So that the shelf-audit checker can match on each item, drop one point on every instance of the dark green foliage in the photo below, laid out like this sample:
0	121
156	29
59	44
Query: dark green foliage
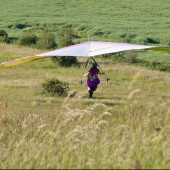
3	33
128	37
13	39
106	56
65	38
163	67
28	39
4	37
151	41
65	61
118	57
65	35
132	58
46	40
154	65
55	87
20	26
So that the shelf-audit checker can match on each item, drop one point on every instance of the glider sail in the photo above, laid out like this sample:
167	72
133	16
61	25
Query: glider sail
93	48
86	49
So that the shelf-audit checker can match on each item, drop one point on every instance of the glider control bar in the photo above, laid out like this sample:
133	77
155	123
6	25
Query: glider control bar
107	79
87	62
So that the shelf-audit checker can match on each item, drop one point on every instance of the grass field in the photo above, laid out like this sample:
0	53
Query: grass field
111	18
125	125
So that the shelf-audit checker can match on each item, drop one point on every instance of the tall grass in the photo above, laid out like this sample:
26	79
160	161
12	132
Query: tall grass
125	125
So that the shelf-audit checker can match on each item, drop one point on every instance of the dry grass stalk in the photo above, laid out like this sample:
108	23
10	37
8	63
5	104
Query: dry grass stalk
4	111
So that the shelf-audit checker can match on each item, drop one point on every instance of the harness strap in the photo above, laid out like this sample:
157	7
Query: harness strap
107	79
88	61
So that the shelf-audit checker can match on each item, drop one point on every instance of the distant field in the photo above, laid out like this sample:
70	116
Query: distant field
113	18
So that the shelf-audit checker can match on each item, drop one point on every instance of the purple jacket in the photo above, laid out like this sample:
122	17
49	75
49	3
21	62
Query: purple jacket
92	79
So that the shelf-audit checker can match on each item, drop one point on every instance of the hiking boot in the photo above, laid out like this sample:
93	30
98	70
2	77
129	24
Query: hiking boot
90	94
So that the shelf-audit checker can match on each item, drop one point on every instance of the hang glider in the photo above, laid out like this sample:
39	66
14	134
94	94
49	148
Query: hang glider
86	49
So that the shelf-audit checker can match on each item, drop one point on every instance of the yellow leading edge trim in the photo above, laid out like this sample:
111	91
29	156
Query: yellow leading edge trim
161	48
20	61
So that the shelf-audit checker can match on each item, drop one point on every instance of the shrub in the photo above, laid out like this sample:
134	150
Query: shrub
46	40
28	39
20	26
65	61
164	68
154	65
151	41
55	87
65	37
130	57
117	58
4	37
159	66
3	33
4	40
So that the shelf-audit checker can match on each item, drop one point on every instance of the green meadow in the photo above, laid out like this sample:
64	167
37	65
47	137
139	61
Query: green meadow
107	19
140	22
125	125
